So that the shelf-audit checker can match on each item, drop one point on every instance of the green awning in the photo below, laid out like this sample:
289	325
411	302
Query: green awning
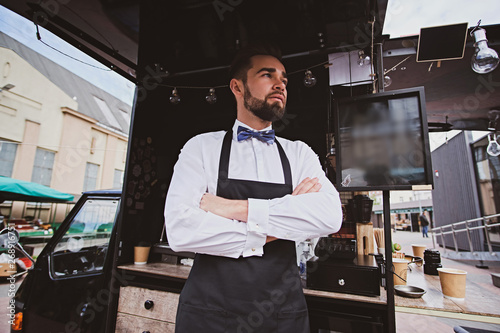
21	190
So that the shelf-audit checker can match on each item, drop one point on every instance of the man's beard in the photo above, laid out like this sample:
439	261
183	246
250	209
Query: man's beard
262	108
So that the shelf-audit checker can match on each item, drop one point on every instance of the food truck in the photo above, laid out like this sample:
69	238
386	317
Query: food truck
352	92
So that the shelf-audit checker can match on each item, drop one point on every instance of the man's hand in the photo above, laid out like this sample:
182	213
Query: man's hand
231	209
308	185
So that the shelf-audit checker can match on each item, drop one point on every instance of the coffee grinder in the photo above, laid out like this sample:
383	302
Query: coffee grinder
342	262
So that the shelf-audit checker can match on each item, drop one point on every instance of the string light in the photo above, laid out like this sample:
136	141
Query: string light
175	98
211	98
309	79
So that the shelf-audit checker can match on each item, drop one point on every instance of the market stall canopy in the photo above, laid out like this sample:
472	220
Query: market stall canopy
21	190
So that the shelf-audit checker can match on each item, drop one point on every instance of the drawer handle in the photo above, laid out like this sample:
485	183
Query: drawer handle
341	282
148	305
145	331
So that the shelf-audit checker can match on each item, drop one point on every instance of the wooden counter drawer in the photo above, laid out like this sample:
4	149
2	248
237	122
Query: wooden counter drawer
133	301
126	323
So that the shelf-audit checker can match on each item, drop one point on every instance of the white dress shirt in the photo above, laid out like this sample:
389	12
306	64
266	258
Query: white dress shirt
296	218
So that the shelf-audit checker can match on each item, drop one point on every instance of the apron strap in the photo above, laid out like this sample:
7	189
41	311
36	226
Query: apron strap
226	151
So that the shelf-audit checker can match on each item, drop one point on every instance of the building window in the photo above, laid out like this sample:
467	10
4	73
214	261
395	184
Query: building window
118	179
7	156
42	169
90	180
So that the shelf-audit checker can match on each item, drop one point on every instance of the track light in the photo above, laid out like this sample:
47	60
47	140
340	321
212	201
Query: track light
484	59
211	98
175	98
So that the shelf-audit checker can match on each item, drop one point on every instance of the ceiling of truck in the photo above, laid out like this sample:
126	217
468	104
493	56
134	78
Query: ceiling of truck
206	33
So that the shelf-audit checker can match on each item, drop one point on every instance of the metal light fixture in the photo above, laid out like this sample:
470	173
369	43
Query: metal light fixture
8	86
493	148
484	59
175	98
363	60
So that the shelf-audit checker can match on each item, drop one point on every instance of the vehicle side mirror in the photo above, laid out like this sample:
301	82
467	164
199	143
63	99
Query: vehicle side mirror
8	236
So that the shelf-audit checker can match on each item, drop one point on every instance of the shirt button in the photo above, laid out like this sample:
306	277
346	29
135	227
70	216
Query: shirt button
253	249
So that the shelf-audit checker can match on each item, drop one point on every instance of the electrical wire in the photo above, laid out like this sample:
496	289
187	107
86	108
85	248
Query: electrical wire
39	37
399	63
90	26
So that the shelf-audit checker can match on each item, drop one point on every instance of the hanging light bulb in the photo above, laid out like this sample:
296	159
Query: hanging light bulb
387	81
211	98
309	79
175	98
363	60
493	146
484	59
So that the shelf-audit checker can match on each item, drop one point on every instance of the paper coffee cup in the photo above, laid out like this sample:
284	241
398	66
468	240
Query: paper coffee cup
400	270
141	254
452	282
418	250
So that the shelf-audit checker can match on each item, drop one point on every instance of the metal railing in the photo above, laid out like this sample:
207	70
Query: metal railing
442	231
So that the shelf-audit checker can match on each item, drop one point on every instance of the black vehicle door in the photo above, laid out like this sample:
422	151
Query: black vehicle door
69	287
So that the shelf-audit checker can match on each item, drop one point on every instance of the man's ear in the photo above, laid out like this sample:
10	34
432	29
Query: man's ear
236	87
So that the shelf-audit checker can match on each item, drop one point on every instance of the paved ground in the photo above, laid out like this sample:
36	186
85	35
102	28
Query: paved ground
409	323
406	323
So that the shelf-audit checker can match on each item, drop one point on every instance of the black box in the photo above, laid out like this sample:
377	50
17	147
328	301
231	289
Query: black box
361	277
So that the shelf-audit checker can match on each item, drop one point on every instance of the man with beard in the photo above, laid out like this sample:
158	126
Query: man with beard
240	200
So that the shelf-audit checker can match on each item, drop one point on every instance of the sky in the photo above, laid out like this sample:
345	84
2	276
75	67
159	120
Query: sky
24	31
406	17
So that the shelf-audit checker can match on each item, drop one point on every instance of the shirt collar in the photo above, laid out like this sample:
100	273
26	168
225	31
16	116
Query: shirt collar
239	123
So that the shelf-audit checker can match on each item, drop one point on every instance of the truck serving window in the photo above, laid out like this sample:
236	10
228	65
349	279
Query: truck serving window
83	248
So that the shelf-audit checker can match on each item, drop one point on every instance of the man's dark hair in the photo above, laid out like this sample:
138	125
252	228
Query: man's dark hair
242	61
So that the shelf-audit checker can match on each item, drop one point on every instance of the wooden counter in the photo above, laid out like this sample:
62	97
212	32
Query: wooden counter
182	272
480	299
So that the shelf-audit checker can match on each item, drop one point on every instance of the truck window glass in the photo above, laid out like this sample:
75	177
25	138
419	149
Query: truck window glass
83	248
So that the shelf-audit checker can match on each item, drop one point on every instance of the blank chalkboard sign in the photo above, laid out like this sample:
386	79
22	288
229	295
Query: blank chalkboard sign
444	42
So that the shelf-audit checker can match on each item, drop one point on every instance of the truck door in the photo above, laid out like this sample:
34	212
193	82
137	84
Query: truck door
69	289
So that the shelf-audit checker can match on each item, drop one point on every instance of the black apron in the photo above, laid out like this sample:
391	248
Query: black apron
251	294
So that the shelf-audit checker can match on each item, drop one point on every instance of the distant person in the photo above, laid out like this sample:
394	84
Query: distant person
424	222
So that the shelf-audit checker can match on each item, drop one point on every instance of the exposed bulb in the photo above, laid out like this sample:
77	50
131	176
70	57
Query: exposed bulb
211	98
493	146
387	81
484	59
175	98
363	60
309	79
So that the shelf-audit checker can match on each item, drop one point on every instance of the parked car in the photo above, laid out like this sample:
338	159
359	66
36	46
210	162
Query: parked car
62	290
